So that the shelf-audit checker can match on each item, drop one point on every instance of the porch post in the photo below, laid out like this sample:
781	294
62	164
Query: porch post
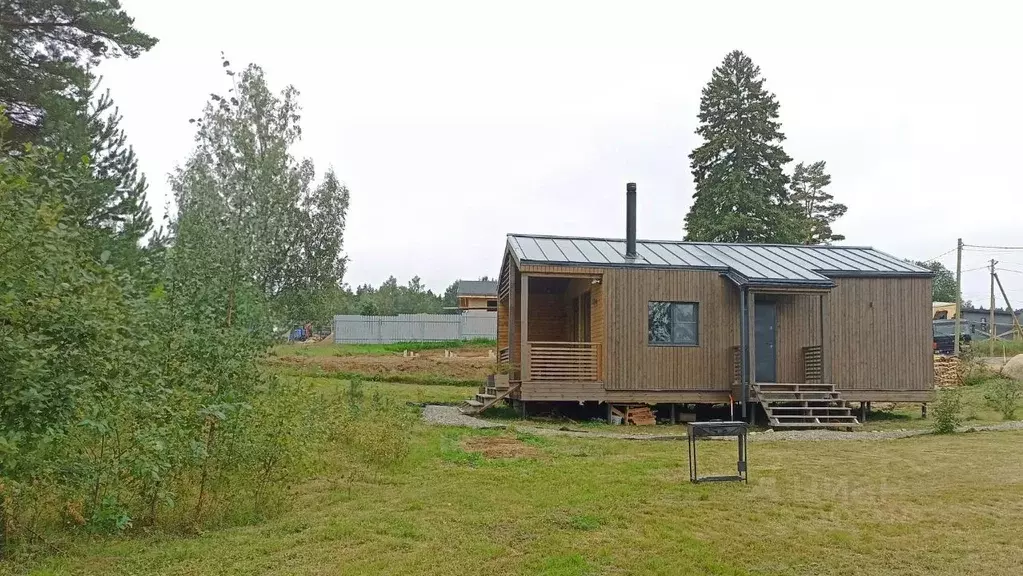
825	377
524	314
751	343
743	349
512	308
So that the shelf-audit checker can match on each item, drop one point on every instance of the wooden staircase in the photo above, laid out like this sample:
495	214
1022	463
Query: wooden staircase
804	405
488	395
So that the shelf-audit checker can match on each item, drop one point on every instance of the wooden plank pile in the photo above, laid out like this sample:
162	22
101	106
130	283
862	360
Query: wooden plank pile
948	372
640	416
636	415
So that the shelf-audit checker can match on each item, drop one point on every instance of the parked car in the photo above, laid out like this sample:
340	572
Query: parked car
944	336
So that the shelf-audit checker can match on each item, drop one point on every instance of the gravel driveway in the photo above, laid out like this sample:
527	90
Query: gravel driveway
450	416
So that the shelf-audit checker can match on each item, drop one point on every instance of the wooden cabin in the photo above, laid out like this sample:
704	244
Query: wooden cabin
477	295
640	321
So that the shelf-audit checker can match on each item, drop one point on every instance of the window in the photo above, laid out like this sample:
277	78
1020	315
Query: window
492	305
673	323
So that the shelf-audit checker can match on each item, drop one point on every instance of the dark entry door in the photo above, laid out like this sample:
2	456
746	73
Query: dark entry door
764	321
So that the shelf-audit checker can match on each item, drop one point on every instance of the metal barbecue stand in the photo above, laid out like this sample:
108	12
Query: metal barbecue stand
697	430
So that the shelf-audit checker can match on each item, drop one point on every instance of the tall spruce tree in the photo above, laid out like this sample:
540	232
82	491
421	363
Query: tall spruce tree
818	207
741	193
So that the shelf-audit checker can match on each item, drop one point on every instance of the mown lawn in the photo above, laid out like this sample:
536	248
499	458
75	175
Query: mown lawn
415	393
568	506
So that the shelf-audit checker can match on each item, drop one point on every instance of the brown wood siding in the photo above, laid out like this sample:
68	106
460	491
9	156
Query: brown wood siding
880	334
798	325
548	318
502	324
632	364
516	318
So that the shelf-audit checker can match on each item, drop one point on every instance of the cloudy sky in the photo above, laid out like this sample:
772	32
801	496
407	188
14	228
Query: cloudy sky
454	123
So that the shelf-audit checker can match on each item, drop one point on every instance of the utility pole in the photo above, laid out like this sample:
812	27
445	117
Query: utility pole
1018	329
992	330
959	293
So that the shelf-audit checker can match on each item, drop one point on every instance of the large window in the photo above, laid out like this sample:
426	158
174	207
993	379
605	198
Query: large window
673	324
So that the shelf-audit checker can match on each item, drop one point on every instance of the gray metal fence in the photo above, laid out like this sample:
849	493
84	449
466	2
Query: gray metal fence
353	329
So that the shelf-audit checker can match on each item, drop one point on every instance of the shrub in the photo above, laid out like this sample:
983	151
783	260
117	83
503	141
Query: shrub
1004	395
948	412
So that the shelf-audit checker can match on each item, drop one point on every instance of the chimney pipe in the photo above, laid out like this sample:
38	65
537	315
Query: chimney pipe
630	220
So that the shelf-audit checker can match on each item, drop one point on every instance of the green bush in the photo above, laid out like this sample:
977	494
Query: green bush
1004	395
948	412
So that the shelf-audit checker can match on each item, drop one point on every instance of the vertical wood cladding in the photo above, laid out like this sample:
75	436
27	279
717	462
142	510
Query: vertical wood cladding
632	364
879	334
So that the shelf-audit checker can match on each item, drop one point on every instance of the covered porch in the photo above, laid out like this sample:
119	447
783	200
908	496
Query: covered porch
782	358
551	331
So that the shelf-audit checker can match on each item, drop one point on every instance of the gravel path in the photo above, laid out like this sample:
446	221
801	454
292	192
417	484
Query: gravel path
450	416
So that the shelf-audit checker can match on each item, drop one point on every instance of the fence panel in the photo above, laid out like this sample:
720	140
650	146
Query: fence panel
356	329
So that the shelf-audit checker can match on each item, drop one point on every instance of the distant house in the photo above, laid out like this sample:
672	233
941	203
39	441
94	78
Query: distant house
477	295
798	329
976	320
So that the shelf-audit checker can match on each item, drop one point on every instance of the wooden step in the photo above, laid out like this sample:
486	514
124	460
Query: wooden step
474	403
781	417
770	386
845	409
814	425
798	396
811	405
485	397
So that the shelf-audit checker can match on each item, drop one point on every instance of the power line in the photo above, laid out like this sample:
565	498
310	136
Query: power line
940	255
980	247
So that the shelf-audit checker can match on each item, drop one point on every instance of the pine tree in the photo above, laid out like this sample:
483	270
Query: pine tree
741	193
818	207
114	201
46	49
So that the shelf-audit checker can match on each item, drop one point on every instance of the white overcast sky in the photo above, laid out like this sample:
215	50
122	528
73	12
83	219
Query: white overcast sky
455	123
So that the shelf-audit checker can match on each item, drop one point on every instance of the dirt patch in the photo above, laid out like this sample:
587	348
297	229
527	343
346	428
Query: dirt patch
500	447
461	367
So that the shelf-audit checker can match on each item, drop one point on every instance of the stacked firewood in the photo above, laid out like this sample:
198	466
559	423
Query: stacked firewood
948	372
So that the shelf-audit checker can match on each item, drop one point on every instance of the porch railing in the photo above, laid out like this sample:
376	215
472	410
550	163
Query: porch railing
563	361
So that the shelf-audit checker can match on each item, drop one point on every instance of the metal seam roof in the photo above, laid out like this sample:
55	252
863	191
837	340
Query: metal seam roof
755	263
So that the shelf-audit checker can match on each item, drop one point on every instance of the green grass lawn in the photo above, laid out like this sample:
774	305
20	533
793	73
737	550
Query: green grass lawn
574	506
416	393
975	411
928	505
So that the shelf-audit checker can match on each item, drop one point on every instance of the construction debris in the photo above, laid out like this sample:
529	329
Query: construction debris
948	372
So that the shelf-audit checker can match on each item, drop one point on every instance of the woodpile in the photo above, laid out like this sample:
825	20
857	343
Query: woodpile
640	416
635	415
948	372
